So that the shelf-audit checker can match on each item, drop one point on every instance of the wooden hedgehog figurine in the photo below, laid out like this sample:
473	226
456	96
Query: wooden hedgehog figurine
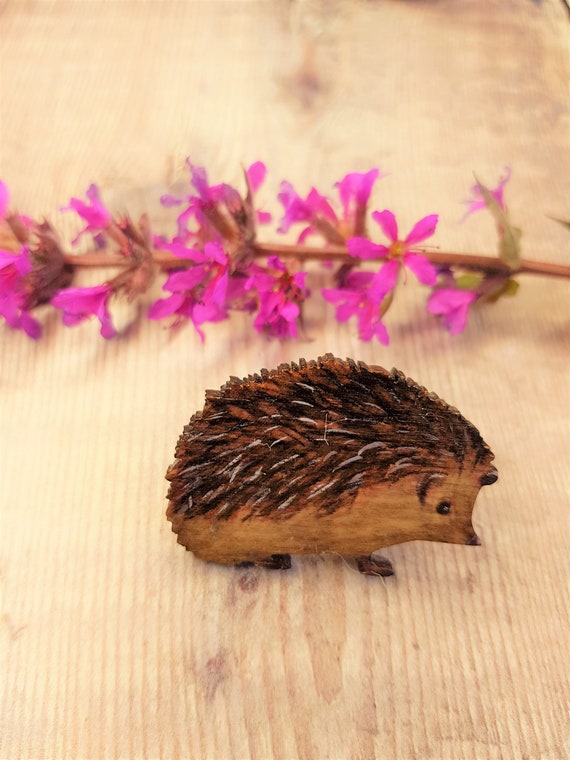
324	456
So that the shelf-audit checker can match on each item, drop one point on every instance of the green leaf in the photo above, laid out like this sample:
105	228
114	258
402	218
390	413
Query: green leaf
386	302
469	281
509	235
508	288
510	246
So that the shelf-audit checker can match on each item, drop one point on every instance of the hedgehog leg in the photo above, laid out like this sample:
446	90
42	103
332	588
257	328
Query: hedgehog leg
273	562
374	565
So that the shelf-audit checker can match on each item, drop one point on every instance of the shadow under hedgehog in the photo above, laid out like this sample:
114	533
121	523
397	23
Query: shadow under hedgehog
324	456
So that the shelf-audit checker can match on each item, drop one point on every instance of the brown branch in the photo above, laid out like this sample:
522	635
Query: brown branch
335	253
464	260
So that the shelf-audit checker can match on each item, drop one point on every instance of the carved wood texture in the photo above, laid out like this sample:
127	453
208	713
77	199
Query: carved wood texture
325	455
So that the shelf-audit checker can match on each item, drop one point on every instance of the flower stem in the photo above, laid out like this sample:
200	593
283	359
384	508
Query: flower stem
439	258
335	253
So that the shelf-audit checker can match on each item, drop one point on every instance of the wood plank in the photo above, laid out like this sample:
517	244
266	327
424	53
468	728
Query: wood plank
116	643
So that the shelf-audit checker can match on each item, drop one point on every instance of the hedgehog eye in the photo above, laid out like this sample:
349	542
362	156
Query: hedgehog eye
444	507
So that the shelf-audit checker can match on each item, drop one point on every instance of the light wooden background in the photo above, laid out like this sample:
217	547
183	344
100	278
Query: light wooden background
118	644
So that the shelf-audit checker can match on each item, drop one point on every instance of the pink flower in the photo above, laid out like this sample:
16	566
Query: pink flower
14	266
4	199
400	252
13	292
477	202
97	216
299	210
361	297
78	304
209	202
182	251
279	297
256	174
198	293
354	191
277	315
453	305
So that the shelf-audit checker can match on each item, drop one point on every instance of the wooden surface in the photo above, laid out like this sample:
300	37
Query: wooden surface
115	642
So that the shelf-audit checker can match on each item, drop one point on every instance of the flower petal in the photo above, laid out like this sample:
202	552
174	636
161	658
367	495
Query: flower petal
383	281
20	262
184	280
453	304
215	252
276	263
29	325
477	202
167	200
320	205
358	280
371	326
80	302
387	222
296	209
422	229
182	252
421	267
199	178
362	248
381	333
4	199
358	186
10	309
307	232
263	217
345	311
164	307
333	295
256	174
107	328
289	311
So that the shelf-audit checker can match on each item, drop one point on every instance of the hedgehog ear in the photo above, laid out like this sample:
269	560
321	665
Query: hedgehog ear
490	477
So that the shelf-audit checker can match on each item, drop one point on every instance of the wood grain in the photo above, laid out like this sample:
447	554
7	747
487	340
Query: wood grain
116	643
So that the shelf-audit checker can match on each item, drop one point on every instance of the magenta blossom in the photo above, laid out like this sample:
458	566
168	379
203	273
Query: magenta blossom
21	220
256	174
78	304
13	266
183	301
355	188
211	197
97	216
4	199
279	297
13	292
298	209
198	293
182	251
453	305
277	315
477	202
400	252
354	191
361	297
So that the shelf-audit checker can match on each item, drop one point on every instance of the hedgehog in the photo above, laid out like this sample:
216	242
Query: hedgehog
324	456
